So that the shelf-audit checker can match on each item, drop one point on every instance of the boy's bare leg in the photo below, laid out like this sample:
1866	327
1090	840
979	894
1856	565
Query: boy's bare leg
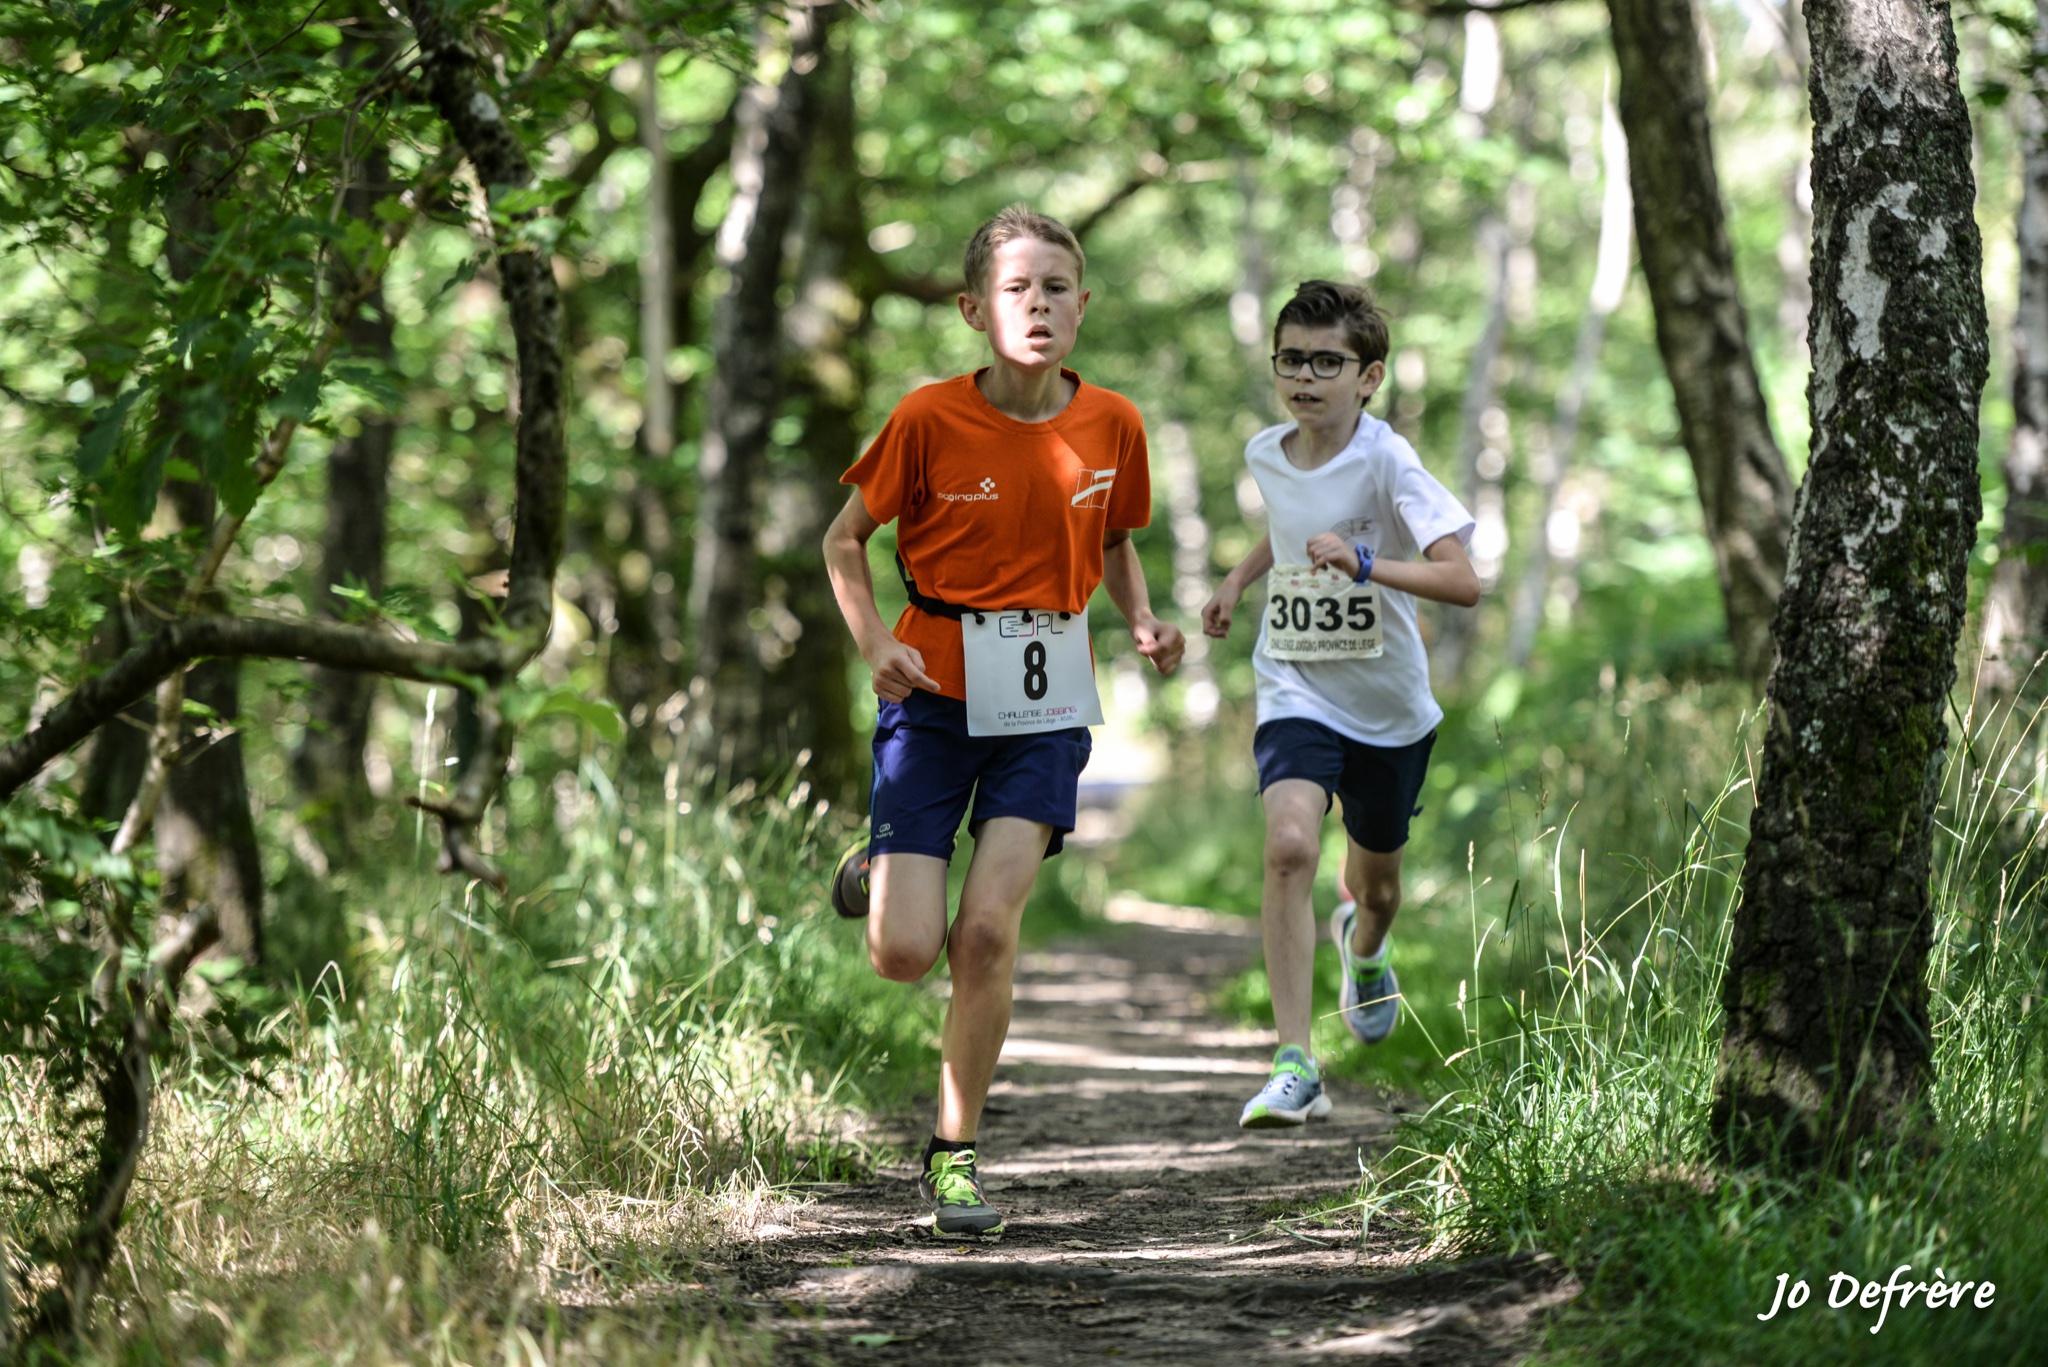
1294	842
907	916
1375	880
981	955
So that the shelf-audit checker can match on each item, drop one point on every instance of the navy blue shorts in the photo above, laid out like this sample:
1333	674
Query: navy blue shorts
927	767
1380	784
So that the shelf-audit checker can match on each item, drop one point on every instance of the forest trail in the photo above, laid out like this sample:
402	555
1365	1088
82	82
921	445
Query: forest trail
1139	1215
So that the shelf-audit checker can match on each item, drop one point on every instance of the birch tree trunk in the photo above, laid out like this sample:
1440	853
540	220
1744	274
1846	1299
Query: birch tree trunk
2016	606
771	139
1744	489
1826	1045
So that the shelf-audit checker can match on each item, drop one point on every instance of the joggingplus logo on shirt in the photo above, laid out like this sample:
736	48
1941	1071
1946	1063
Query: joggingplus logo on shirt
1091	488
986	494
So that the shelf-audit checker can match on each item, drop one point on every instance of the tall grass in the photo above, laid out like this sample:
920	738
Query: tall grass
1576	1116
1559	798
498	1115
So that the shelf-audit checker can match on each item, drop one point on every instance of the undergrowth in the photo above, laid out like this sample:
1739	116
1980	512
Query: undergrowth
1574	1117
492	1121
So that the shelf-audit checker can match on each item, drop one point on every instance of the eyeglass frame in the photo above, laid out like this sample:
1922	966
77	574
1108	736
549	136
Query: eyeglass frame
1308	359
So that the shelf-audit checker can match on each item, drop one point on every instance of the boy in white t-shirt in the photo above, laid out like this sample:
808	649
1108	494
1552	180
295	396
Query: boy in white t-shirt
1343	681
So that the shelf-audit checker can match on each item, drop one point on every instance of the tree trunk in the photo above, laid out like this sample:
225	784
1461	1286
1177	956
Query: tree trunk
205	837
2016	606
328	765
1744	489
1456	627
773	135
647	653
1249	320
827	334
1826	1039
1610	278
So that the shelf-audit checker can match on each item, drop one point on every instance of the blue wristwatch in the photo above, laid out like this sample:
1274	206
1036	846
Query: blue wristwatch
1364	553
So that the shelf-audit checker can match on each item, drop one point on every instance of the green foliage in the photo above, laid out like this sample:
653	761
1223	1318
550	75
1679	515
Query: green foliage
661	1015
1576	1120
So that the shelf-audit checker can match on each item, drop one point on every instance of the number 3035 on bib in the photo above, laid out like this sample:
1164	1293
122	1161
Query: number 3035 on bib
1314	614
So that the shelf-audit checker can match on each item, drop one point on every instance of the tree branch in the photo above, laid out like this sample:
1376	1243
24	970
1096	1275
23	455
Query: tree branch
1094	217
534	304
339	646
127	1094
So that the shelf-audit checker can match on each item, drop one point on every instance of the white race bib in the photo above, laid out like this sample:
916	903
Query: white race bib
1028	671
1314	614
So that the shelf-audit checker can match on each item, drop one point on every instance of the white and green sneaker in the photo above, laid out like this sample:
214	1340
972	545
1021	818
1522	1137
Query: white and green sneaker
1370	995
959	1209
1292	1096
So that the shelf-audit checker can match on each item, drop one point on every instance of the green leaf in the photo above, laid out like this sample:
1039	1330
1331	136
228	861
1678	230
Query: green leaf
599	716
870	1340
300	398
103	438
512	203
236	480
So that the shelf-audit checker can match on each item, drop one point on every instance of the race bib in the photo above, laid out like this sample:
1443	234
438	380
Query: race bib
1316	614
1028	671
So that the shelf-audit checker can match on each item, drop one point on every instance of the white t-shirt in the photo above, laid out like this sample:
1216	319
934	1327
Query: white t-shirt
1373	491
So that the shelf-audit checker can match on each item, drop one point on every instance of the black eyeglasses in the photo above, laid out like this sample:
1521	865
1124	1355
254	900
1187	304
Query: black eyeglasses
1324	365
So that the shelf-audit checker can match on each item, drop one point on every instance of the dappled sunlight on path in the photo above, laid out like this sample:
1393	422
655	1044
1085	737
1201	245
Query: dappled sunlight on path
1144	1226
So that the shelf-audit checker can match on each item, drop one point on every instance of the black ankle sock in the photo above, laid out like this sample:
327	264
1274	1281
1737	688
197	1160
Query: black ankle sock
938	1145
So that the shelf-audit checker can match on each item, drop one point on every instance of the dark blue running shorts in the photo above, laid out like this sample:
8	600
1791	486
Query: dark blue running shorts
1380	784
927	766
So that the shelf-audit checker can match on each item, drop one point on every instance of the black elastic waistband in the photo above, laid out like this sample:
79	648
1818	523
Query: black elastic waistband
939	607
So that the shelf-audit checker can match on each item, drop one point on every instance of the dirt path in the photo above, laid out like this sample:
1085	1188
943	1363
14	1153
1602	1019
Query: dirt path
1139	1215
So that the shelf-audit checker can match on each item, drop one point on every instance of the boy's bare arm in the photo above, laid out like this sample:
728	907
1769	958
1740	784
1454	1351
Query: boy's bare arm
897	668
1124	577
1443	575
1216	612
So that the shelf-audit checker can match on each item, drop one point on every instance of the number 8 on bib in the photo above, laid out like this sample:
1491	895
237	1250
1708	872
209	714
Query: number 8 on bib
1028	671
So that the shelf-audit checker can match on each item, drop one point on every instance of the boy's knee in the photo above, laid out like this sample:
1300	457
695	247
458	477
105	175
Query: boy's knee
897	963
901	963
1381	898
979	945
1291	851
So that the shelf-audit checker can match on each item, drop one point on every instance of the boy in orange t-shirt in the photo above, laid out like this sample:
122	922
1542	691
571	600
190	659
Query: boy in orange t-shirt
1014	491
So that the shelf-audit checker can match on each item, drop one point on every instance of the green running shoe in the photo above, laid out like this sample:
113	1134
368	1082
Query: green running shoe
959	1209
1369	998
1293	1096
850	882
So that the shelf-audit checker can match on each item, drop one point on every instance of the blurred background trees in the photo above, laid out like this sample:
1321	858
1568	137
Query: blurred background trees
756	243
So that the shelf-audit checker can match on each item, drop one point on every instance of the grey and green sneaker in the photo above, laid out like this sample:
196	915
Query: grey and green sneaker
1369	997
850	882
1292	1096
959	1209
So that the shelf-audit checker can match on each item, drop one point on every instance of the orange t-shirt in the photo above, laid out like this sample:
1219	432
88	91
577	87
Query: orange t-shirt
995	513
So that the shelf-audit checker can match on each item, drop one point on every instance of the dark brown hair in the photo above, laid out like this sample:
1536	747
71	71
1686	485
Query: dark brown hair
1326	303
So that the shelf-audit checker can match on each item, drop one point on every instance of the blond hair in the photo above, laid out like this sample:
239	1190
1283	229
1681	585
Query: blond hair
1017	221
